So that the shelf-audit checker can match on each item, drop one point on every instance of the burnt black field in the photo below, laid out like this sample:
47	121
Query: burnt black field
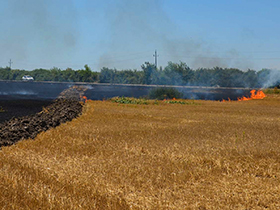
19	98
12	107
60	111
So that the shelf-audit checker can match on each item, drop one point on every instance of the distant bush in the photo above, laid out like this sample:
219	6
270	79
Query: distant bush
1	109
275	90
164	93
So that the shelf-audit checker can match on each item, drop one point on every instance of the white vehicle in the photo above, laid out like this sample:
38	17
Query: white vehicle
27	78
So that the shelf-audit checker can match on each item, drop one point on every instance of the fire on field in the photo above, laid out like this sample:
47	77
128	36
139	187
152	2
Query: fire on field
254	95
209	155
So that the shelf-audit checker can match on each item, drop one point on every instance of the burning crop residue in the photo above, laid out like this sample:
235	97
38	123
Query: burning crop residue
254	95
75	93
84	99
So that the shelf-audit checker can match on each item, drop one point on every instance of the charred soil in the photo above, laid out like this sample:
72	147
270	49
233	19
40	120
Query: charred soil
18	128
11	107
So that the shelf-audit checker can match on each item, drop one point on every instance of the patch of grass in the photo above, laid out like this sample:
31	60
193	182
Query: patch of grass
272	91
184	102
1	109
128	100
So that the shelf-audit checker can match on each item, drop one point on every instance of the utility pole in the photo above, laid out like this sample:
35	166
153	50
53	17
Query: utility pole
156	56
10	63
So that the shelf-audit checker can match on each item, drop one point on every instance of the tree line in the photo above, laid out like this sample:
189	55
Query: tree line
172	74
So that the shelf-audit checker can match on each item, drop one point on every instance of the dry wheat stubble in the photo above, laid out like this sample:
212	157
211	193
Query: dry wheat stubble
213	156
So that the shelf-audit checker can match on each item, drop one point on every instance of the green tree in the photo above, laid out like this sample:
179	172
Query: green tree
106	75
150	73
86	75
41	74
56	74
263	78
4	73
69	75
235	78
179	73
16	74
250	79
204	77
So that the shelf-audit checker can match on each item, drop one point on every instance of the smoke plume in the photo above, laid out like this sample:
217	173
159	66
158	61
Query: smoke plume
142	25
145	26
120	34
31	30
271	79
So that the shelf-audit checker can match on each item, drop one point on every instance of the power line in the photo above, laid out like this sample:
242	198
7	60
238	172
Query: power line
116	59
111	62
224	52
217	57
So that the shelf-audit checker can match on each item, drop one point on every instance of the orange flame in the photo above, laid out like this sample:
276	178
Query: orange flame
254	95
85	98
258	95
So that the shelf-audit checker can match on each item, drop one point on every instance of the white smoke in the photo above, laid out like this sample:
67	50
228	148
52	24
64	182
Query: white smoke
21	92
272	79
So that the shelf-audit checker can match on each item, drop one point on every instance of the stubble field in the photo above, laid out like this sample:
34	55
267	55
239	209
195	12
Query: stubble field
202	155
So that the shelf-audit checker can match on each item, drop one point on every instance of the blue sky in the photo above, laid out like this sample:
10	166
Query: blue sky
123	34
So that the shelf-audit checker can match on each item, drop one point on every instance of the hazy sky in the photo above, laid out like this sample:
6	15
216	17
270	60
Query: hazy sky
125	33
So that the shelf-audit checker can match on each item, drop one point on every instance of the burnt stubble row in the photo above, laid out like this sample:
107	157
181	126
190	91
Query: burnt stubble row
18	128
